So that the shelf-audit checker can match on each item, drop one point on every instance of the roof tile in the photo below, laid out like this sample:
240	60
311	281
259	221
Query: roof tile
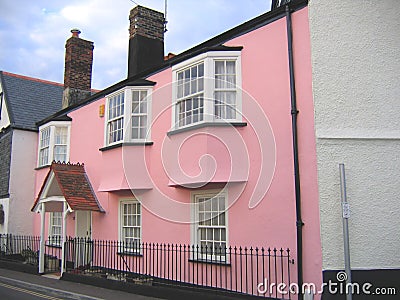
75	186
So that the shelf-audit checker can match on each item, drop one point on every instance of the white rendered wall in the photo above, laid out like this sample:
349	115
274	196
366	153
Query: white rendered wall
22	180
356	86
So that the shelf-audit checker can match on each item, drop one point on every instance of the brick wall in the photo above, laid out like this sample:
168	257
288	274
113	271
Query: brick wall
5	160
146	22
78	69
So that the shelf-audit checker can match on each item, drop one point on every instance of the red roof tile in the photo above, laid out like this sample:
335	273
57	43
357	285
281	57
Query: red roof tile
75	186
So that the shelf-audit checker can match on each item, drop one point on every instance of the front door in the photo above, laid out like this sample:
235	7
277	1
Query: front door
83	232
83	220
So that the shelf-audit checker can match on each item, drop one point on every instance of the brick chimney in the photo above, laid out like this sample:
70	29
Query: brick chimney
146	39
78	69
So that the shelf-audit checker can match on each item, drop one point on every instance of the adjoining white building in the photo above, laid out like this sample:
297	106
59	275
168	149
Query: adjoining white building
356	87
23	102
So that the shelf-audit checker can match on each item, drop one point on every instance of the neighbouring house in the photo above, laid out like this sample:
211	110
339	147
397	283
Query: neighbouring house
203	148
23	102
356	87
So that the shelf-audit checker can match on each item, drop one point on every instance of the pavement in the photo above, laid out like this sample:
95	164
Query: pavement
60	289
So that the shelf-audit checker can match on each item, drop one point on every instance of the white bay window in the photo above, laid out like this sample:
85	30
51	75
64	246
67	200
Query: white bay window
207	88
128	116
54	143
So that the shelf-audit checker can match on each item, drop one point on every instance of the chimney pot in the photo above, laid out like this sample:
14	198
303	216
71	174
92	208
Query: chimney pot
75	32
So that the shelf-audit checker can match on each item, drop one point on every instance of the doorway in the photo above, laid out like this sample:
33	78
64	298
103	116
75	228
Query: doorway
84	244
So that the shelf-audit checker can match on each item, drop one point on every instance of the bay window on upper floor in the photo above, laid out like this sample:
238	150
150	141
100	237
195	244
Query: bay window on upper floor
53	143
128	116
206	89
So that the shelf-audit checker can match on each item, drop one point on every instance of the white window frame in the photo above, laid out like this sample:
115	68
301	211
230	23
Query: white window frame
52	127
127	127
121	117
124	248
208	59
55	239
58	144
195	225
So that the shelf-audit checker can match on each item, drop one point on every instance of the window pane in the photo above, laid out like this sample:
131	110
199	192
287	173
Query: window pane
230	67
219	81
214	204
207	205
135	96
219	67
230	81
193	72
200	84
135	107
201	70
143	121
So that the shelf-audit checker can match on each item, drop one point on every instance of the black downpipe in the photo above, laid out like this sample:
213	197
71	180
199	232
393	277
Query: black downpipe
294	113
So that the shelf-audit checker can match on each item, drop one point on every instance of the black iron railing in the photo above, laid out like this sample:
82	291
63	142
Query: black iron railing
19	248
245	270
26	249
235	269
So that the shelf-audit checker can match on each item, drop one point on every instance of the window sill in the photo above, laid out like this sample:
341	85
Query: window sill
210	261
206	124
126	144
42	167
128	253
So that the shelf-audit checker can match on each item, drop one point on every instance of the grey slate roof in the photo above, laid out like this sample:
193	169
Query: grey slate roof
30	100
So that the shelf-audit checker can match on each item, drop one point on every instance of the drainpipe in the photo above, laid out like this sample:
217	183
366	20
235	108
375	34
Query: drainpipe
294	113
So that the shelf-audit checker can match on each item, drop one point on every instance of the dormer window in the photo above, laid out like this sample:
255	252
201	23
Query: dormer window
207	88
53	143
128	116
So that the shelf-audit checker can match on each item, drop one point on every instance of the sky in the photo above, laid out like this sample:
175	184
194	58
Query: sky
33	33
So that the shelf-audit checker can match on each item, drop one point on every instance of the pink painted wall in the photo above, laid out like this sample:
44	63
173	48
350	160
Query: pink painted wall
256	160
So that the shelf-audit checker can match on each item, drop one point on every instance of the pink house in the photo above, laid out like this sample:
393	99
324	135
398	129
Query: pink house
204	148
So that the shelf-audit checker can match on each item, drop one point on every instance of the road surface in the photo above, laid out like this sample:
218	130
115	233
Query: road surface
21	286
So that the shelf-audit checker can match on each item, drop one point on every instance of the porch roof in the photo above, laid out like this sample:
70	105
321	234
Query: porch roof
74	185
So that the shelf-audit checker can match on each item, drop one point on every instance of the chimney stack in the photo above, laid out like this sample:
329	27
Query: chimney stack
146	39
78	69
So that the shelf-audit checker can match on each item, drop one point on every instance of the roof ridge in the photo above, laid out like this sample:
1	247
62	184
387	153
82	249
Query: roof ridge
33	79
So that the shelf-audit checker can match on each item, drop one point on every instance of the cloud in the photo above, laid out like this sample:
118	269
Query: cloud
35	31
